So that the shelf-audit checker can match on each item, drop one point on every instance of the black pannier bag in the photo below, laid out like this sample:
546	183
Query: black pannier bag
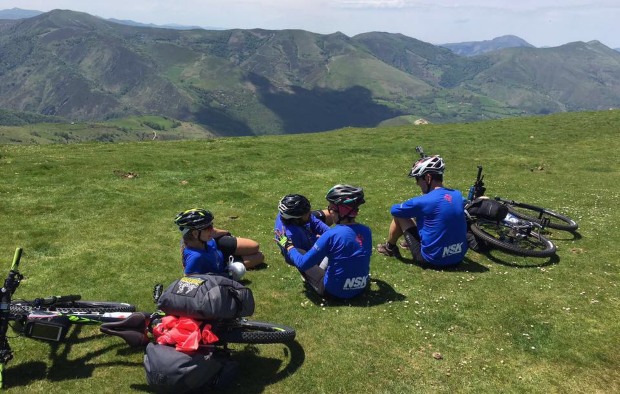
488	209
207	297
171	371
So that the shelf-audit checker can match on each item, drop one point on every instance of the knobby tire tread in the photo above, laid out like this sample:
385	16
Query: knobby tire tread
256	332
548	248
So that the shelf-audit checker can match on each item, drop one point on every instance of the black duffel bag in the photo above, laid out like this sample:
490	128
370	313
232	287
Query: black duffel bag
487	209
207	297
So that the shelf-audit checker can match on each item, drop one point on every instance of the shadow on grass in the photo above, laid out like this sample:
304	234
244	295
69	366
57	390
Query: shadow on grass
558	235
467	265
256	372
544	262
61	367
384	294
64	369
24	374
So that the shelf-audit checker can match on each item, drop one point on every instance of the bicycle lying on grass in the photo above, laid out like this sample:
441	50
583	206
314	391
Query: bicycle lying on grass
519	228
49	319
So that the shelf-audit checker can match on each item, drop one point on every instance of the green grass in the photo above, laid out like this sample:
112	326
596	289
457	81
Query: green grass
134	128
501	323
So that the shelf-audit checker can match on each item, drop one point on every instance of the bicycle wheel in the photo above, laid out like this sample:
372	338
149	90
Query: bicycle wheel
88	307
536	214
504	237
248	331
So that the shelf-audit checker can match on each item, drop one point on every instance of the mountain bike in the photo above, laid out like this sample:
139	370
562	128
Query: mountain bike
135	329
532	213
50	318
518	231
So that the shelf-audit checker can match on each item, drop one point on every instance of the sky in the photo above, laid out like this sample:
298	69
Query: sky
542	23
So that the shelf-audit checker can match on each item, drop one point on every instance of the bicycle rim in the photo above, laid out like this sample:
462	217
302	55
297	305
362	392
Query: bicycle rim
503	237
87	307
248	331
536	214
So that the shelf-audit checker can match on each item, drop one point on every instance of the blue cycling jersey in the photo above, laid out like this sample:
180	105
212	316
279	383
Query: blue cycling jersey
202	261
348	248
303	237
440	218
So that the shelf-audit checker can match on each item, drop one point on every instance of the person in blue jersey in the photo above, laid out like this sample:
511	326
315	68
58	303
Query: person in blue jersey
433	224
206	249
348	247
299	223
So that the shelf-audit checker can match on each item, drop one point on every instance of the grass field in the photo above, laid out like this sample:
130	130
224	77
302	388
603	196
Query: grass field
97	219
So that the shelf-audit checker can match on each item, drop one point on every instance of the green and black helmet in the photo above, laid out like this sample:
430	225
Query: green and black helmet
194	219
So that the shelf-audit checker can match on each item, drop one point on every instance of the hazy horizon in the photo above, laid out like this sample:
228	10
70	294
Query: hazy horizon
542	23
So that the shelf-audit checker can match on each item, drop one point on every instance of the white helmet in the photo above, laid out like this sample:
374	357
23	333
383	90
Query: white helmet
236	270
427	165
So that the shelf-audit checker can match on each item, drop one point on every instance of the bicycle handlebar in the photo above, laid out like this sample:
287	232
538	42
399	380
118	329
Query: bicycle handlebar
477	189
10	284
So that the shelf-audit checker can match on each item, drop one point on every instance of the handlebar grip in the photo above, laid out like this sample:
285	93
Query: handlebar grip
16	258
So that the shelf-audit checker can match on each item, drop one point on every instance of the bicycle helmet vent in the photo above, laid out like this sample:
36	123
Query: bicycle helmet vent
293	206
194	219
427	165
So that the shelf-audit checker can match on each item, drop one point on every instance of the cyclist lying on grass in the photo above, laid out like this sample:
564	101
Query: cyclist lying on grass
347	246
433	224
206	249
299	223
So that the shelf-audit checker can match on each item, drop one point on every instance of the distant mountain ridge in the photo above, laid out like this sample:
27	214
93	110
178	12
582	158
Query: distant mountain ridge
473	48
18	13
251	82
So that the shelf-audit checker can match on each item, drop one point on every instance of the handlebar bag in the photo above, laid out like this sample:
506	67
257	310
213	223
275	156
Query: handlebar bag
488	209
207	297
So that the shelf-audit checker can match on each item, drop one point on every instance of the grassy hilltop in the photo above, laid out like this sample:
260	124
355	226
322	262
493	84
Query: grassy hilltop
96	219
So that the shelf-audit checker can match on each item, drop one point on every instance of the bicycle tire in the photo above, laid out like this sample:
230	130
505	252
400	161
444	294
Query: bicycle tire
249	331
74	307
537	214
526	245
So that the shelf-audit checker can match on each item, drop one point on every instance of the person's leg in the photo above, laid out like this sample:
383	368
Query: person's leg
246	249
249	250
314	277
397	227
412	237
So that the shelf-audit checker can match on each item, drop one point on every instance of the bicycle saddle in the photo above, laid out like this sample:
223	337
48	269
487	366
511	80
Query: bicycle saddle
133	329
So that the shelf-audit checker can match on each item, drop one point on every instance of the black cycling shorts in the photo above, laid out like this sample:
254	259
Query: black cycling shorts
227	245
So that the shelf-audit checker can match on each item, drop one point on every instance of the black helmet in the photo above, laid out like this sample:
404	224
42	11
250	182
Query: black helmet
346	195
293	206
194	219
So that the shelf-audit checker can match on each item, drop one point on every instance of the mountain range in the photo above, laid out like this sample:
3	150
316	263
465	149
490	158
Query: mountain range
249	82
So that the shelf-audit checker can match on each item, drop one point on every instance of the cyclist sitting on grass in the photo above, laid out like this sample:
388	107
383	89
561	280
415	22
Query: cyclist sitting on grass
300	225
433	224
206	249
348	247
